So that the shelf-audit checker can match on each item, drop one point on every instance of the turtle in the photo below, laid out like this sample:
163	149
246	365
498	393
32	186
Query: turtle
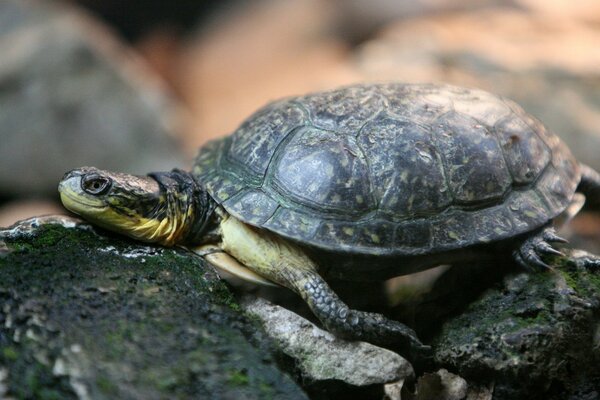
364	182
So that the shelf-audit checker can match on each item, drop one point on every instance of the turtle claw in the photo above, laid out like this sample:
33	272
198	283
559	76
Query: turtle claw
546	248
530	251
549	235
530	260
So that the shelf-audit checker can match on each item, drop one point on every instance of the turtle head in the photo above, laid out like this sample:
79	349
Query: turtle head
164	207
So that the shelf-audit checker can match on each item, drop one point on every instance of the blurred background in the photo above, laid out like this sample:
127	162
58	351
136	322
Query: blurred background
138	86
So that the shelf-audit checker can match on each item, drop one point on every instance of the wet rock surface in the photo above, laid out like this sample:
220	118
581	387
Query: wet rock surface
532	335
91	317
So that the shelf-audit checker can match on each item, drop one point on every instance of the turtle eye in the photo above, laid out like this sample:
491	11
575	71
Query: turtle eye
95	184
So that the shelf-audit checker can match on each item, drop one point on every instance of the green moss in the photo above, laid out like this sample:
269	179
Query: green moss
512	313
266	390
156	312
106	386
569	279
166	383
49	394
584	282
238	378
10	353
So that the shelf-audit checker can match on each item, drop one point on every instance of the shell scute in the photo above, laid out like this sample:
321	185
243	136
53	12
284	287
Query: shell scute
343	110
325	169
527	209
288	218
414	236
454	230
259	135
422	105
475	166
254	205
481	106
378	233
525	152
407	174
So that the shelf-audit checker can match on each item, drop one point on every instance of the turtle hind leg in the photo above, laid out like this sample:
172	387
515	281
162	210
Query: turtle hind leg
530	251
351	324
590	185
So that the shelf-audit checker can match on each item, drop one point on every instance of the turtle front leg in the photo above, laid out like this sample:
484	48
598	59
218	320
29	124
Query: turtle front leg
351	324
282	262
530	251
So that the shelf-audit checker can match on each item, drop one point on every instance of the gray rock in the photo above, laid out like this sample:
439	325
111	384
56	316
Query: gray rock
441	385
93	317
532	334
71	95
320	356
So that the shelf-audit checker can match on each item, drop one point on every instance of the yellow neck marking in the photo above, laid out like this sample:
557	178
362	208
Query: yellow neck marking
168	231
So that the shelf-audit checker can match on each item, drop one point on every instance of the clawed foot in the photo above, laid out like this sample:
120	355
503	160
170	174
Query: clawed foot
377	329
351	324
530	252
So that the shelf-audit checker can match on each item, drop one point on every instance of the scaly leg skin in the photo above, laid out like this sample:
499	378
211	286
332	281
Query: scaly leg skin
351	324
530	252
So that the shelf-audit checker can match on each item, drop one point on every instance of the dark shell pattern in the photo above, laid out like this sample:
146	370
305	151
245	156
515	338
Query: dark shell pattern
391	169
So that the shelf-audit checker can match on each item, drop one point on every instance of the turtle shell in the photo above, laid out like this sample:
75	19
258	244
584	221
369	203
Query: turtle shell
391	169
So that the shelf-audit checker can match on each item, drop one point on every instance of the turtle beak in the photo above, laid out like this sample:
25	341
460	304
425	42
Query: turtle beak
69	183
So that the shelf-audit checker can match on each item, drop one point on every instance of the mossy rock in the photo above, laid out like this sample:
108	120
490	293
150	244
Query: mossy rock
532	335
84	315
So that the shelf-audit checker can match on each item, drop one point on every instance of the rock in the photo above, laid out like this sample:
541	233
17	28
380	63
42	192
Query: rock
14	211
320	356
548	63
441	385
71	95
89	316
530	335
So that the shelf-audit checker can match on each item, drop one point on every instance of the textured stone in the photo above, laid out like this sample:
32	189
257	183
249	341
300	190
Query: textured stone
93	317
441	385
320	356
531	333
